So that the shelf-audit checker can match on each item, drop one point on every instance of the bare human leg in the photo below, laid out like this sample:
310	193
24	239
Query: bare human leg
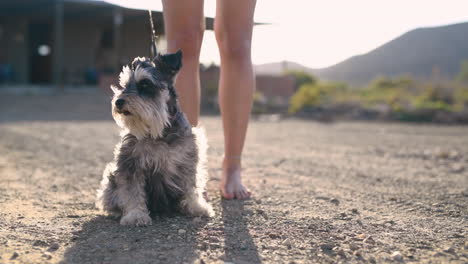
184	26
233	29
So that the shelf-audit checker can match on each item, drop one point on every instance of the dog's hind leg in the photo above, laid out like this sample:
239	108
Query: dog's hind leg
194	204
107	199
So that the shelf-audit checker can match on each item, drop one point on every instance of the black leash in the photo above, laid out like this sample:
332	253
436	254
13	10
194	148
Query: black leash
153	49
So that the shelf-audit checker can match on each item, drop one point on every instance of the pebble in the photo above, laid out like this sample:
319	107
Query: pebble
14	256
39	243
182	231
449	249
457	168
243	246
397	256
327	246
353	246
372	260
47	256
354	211
369	240
53	247
341	253
273	235
287	243
359	237
335	201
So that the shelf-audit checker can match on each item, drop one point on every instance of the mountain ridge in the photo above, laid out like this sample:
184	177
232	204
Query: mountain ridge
418	52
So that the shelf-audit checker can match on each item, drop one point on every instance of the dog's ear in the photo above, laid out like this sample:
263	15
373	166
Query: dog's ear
169	63
115	89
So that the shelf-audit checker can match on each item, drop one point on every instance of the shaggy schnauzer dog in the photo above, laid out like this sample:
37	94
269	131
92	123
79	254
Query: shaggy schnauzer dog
159	165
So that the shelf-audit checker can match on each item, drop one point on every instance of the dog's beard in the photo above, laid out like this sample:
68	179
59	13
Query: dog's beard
145	118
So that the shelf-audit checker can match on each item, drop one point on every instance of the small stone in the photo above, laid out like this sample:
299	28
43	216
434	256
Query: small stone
457	168
335	201
397	256
53	247
287	243
357	253
449	249
243	246
369	240
327	246
273	235
40	243
359	237
372	260
14	256
340	252
354	211
353	246
181	231
73	216
47	256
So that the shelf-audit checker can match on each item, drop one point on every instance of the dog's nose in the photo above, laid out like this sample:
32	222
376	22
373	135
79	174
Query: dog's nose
119	103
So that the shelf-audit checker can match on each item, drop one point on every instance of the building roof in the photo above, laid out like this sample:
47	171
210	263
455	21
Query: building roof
77	9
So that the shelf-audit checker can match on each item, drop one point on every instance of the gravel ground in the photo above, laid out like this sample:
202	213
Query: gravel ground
323	193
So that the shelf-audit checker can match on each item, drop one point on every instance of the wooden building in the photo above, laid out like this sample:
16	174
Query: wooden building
70	42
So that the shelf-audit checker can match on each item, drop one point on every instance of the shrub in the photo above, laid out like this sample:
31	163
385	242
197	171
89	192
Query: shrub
302	78
316	94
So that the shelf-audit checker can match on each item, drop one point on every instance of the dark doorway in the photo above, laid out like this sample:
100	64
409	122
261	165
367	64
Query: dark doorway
40	53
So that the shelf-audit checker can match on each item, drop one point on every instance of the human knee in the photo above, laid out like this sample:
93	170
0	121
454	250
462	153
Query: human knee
188	40
234	45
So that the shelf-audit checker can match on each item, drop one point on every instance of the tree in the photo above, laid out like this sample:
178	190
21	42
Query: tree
302	78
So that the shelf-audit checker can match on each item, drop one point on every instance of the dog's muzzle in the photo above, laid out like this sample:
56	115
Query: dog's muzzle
119	105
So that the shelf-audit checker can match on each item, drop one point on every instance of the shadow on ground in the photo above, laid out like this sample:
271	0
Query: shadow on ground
171	239
103	240
239	244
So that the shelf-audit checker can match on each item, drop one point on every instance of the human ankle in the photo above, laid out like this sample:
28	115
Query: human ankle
232	162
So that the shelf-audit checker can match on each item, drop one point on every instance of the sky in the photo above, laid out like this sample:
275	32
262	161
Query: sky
321	33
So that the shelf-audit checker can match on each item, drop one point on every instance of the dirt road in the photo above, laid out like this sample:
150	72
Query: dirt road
324	193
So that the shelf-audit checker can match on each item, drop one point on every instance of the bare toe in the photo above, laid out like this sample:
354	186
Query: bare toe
227	195
231	182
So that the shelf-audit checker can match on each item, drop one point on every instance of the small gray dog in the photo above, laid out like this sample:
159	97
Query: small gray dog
159	165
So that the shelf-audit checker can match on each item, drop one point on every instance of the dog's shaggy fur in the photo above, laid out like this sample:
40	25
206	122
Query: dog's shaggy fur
159	165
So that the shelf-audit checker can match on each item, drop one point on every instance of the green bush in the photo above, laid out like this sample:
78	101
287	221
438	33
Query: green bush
463	74
434	98
316	94
302	78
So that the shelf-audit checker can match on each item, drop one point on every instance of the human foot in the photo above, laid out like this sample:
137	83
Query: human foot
231	182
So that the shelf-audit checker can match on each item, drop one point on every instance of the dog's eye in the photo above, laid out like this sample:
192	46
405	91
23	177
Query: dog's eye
146	87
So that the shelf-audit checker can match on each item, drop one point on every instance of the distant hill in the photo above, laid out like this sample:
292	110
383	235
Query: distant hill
417	52
278	68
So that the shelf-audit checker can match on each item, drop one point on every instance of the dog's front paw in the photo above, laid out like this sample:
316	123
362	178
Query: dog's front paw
136	217
207	211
